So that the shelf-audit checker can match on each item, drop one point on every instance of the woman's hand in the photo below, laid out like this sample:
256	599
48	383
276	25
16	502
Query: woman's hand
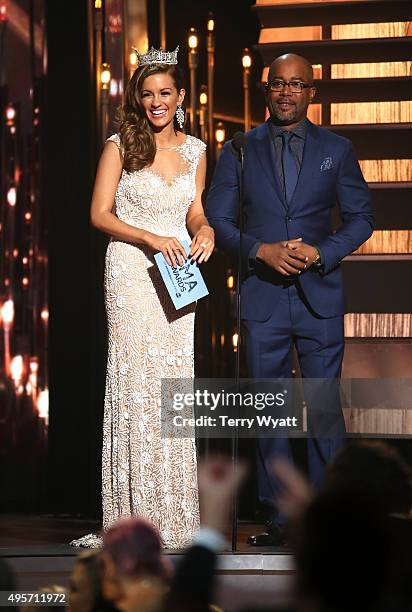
203	244
171	248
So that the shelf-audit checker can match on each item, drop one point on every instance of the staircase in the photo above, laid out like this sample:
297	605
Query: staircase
361	51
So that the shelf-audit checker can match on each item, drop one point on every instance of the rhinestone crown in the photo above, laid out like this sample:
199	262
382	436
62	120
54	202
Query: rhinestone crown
154	56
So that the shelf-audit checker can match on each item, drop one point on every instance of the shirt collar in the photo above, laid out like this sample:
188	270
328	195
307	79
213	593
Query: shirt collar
299	130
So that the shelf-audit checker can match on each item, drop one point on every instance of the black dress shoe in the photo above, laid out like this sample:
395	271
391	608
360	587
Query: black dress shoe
273	536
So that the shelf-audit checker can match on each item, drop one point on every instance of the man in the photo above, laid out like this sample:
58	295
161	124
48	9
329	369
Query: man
295	172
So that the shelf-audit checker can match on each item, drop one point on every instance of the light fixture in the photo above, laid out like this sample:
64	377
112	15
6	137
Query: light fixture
12	196
3	12
34	365
16	369
230	282
10	114
114	87
220	133
203	95
246	63
193	40
7	312
34	369
246	59
133	59
210	43
193	61
105	75
43	405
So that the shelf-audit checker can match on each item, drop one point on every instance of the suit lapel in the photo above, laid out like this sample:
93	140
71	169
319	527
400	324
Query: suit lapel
312	155
265	152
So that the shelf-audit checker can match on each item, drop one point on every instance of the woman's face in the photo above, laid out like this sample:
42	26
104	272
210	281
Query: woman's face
81	594
159	98
111	585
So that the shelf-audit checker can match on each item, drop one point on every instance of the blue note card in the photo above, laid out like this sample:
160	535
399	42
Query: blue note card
185	284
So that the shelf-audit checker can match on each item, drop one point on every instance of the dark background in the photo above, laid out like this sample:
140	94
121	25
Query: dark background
236	27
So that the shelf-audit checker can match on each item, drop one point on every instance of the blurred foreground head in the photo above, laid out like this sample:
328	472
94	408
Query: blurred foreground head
373	469
354	546
344	554
135	575
85	591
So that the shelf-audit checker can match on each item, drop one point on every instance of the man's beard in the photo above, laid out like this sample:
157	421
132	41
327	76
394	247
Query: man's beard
283	117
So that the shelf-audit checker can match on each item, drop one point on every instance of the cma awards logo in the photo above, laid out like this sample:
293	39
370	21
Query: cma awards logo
184	278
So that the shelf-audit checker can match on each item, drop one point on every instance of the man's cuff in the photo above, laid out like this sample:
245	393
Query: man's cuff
319	265
209	538
252	254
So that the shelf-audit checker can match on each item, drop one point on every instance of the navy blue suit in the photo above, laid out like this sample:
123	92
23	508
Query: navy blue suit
279	311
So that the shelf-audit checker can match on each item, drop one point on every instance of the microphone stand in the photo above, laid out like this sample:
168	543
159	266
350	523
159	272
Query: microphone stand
235	439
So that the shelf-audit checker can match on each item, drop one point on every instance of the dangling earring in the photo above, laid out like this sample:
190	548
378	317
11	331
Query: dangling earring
180	116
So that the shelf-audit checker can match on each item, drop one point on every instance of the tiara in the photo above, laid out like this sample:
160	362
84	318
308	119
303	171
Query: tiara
155	56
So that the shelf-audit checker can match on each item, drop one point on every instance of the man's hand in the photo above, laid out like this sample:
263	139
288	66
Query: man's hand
306	250
284	257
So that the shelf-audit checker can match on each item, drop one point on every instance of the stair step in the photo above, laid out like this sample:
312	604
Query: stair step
342	51
333	13
378	140
392	206
397	186
363	90
378	283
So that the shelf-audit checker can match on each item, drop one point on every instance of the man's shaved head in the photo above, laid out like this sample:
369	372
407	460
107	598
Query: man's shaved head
303	66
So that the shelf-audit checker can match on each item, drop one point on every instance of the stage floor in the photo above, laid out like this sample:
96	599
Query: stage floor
46	534
37	549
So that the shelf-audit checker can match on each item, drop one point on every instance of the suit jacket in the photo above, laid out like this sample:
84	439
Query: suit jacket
330	173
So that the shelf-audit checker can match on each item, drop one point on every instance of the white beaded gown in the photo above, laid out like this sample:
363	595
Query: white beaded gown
144	474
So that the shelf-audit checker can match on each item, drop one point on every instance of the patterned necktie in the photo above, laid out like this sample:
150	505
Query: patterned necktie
290	171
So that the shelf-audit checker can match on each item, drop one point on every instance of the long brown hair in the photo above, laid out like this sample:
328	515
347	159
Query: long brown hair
135	131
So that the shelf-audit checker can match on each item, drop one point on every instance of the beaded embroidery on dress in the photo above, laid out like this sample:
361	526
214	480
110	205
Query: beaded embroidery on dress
142	473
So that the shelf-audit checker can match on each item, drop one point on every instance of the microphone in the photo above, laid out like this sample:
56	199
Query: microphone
238	143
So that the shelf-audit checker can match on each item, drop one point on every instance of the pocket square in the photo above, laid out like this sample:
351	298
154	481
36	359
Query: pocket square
327	164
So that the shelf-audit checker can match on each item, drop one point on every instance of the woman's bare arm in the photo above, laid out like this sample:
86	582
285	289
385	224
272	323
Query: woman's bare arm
101	216
195	217
196	221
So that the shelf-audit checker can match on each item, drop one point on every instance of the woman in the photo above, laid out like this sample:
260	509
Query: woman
155	174
85	586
